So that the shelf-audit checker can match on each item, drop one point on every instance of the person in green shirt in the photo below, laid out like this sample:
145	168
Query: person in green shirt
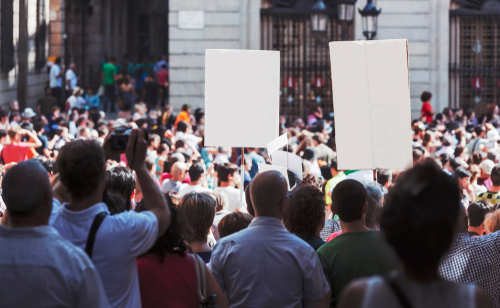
420	218
44	105
358	251
108	79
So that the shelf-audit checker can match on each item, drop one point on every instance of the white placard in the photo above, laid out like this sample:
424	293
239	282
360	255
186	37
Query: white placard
294	163
52	15
282	170
277	143
371	95
242	89
191	20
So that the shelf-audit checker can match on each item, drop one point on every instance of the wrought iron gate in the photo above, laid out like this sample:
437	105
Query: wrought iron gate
305	59
474	69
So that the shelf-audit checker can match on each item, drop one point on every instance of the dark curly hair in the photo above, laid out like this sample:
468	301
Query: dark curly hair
305	211
121	181
420	214
171	241
80	164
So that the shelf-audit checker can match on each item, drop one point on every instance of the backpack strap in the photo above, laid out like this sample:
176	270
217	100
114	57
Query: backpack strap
403	300
474	146
98	219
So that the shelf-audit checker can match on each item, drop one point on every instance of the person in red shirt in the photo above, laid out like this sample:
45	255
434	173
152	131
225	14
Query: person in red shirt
427	113
18	151
163	82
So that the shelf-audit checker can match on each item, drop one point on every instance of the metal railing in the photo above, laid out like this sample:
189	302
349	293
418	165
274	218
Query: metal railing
305	60
474	68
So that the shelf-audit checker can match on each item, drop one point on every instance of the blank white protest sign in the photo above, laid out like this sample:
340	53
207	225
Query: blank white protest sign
241	97
371	97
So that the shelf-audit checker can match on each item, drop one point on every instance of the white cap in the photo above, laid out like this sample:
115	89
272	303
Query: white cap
120	122
487	165
493	135
28	113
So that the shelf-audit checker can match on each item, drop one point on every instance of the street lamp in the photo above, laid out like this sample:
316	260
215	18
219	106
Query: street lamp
345	10
319	18
369	15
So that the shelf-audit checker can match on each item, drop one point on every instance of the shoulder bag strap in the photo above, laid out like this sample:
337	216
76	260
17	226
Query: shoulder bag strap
474	146
89	247
203	277
403	300
198	277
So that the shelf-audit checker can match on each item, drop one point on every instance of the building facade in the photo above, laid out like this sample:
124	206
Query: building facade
23	51
222	24
84	32
425	23
453	45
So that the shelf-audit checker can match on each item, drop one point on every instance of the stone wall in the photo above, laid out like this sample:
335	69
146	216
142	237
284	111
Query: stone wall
229	24
424	23
35	79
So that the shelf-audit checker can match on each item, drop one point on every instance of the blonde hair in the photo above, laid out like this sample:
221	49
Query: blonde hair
475	172
139	107
221	200
492	221
13	132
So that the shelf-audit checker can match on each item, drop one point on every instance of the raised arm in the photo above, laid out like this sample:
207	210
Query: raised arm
154	200
35	142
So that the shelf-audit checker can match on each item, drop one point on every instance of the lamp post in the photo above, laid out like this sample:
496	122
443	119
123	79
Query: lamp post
319	18
345	15
345	10
369	16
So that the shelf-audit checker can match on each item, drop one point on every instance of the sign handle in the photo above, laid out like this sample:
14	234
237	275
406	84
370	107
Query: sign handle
242	181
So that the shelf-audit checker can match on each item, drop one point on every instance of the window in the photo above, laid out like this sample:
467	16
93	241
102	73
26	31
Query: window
7	35
40	35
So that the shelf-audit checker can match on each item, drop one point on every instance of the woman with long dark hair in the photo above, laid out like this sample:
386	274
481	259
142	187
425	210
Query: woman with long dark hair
167	276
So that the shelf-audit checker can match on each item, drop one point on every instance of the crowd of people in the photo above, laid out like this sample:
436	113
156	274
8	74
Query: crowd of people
123	84
137	212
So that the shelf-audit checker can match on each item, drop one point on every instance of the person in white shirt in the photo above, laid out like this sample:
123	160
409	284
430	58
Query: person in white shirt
122	237
75	100
40	268
55	80
220	211
197	174
229	177
16	119
4	120
71	79
3	139
185	132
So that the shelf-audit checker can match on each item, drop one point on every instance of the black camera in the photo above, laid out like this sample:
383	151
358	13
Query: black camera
119	138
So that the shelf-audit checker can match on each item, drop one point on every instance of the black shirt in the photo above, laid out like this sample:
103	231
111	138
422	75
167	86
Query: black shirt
46	104
315	241
151	95
472	233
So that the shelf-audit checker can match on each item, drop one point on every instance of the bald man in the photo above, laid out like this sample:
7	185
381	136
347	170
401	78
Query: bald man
265	265
178	172
40	268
